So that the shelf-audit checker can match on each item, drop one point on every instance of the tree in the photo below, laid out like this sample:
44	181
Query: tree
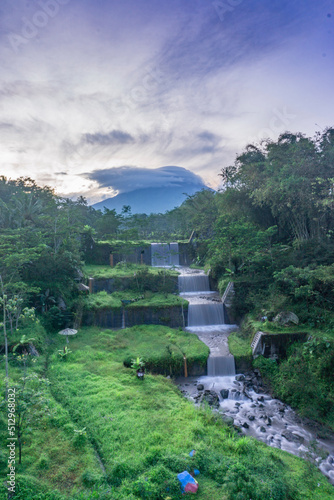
293	177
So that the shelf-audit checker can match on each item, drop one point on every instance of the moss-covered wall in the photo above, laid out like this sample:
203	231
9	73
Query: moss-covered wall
186	254
112	318
99	253
117	284
169	316
277	344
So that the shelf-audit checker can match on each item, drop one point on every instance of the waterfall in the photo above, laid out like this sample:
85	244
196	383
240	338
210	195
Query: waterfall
174	254
222	366
206	314
164	254
206	318
194	283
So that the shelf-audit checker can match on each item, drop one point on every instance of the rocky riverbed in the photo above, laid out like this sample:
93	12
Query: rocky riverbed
243	402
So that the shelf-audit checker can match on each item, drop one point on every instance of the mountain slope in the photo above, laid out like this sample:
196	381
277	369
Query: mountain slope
150	200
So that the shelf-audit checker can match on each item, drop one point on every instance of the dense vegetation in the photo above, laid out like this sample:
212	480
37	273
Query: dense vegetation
270	230
142	431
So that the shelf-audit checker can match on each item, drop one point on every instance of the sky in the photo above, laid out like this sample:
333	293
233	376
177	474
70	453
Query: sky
96	96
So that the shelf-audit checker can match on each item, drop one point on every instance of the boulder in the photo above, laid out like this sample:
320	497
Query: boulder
291	437
228	420
286	317
240	378
246	393
211	397
224	393
245	425
200	387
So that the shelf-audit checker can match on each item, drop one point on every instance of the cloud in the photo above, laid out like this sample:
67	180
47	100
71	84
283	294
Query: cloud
129	178
110	138
107	84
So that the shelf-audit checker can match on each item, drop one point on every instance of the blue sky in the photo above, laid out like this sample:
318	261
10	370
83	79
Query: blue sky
89	86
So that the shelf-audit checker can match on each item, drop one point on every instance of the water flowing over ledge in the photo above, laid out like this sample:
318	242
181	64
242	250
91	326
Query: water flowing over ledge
240	398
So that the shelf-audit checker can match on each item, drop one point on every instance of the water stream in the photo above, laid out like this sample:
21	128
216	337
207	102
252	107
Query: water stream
241	398
165	254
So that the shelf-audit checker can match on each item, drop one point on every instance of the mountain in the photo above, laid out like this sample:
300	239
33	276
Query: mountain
151	199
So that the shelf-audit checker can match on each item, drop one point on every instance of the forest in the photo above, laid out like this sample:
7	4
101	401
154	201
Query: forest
269	230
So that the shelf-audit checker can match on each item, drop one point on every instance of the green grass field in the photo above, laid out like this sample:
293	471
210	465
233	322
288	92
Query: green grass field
103	300
128	270
143	431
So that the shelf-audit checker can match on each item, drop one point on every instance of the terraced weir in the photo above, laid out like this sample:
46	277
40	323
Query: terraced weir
206	318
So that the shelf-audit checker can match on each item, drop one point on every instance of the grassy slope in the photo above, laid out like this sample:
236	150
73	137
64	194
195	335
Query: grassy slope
145	430
51	455
103	300
97	271
139	425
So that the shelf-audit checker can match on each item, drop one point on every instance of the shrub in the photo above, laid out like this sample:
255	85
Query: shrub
43	462
89	478
157	484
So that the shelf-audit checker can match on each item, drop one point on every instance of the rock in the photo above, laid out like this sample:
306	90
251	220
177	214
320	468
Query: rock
263	429
246	393
297	438
286	317
211	398
245	425
303	449
268	421
228	420
251	418
289	436
240	378
224	393
200	387
261	399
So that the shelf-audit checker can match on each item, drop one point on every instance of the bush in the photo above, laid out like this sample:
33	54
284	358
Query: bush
89	479
54	319
158	483
43	462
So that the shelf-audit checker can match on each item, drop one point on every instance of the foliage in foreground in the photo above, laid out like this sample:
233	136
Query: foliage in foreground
143	432
305	379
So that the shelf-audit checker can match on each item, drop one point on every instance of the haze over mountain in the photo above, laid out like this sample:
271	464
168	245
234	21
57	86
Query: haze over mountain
147	190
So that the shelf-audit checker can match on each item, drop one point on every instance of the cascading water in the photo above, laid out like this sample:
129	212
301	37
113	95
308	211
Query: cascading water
174	254
206	314
164	254
241	399
222	366
194	284
206	319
